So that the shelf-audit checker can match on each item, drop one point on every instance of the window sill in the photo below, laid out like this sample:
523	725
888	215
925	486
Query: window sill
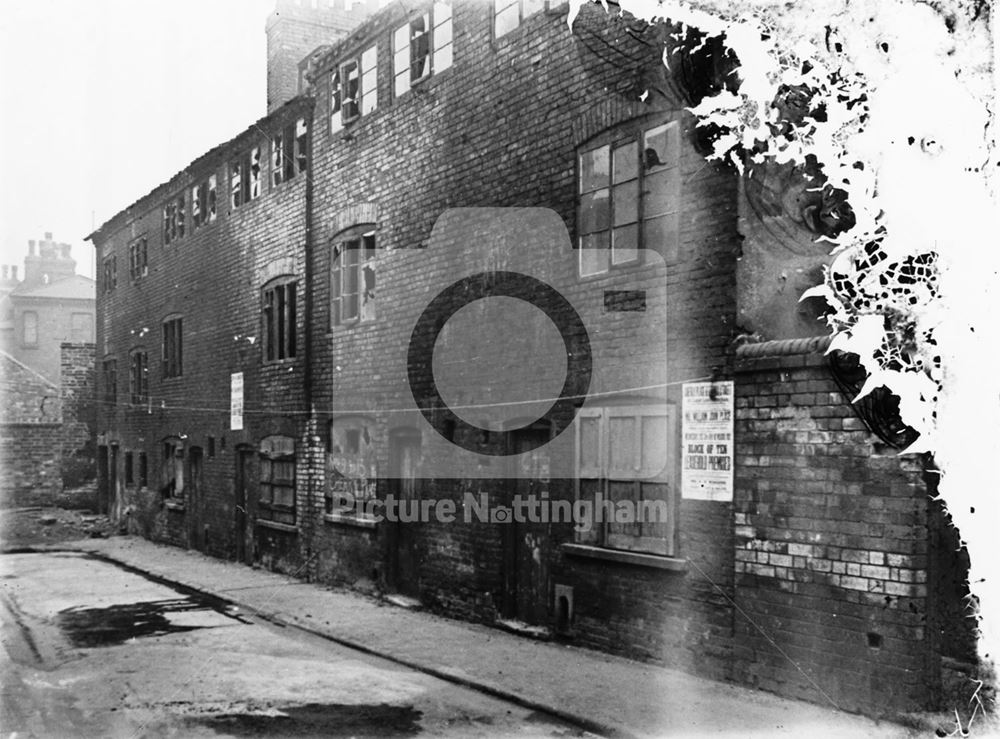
633	558
277	526
349	519
174	505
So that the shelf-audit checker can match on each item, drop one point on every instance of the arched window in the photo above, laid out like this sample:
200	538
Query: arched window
629	189
278	313
352	276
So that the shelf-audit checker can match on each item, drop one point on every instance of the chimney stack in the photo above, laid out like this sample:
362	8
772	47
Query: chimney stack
13	272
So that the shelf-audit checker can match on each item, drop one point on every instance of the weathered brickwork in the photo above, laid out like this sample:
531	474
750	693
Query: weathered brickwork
812	582
30	436
831	535
79	414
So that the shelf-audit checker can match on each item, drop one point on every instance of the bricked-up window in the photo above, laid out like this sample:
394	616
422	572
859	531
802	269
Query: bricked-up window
276	501
110	273
143	470
422	47
203	202
352	279
351	464
173	348
81	327
138	377
172	469
508	14
629	196
173	220
29	328
244	178
353	89
279	320
109	372
129	472
623	465
289	152
138	259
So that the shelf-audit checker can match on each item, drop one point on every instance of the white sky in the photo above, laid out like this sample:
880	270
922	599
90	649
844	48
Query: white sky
101	100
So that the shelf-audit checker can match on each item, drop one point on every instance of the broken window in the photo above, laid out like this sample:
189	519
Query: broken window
110	273
629	197
172	348
301	145
211	200
110	376
508	14
173	220
623	464
138	377
336	119
352	90
289	152
276	501
138	263
422	47
279	320
29	326
254	169
353	277
179	215
172	471
244	178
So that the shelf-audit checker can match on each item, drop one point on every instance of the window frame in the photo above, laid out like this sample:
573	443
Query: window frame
365	100
522	16
138	376
34	328
110	269
245	177
660	541
279	331
438	58
359	239
109	377
138	259
289	152
630	133
172	347
204	202
173	220
172	487
276	450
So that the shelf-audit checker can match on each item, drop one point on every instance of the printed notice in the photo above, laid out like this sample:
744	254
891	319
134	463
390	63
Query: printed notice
707	441
236	402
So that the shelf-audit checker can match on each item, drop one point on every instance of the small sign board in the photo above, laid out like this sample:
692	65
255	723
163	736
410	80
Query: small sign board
236	402
707	441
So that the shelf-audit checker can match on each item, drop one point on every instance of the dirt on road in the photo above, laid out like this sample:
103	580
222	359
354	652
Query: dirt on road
28	527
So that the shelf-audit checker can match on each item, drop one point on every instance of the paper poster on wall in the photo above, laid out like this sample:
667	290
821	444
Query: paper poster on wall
707	441
236	402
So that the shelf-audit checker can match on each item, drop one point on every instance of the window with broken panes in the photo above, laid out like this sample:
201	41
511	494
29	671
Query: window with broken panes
173	220
279	320
110	279
138	261
289	152
244	178
422	47
352	278
509	14
138	377
203	202
353	89
629	196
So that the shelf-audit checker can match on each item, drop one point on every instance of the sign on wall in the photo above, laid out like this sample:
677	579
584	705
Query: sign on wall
236	402
707	441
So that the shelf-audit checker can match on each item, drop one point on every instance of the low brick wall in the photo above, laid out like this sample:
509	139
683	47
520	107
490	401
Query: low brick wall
831	547
29	457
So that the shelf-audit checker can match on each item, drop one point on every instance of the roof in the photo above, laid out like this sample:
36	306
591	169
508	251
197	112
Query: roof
76	287
24	369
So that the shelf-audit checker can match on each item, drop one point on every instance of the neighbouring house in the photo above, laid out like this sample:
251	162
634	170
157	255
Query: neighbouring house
265	343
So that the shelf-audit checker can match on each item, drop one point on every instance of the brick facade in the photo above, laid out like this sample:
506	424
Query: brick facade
737	587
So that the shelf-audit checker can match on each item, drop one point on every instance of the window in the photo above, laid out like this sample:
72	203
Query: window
277	480
353	89
110	273
172	471
138	262
623	459
422	47
138	377
173	220
143	470
173	348
203	202
352	283
508	14
110	377
629	197
81	327
279	321
289	152
244	178
129	476
351	466
29	326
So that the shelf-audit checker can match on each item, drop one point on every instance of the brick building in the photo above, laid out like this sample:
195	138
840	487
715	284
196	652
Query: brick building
258	315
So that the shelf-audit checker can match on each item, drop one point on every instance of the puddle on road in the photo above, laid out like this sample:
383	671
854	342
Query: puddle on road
319	720
111	625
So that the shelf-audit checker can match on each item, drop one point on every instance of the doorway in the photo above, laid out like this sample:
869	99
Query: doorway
245	489
194	504
403	574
